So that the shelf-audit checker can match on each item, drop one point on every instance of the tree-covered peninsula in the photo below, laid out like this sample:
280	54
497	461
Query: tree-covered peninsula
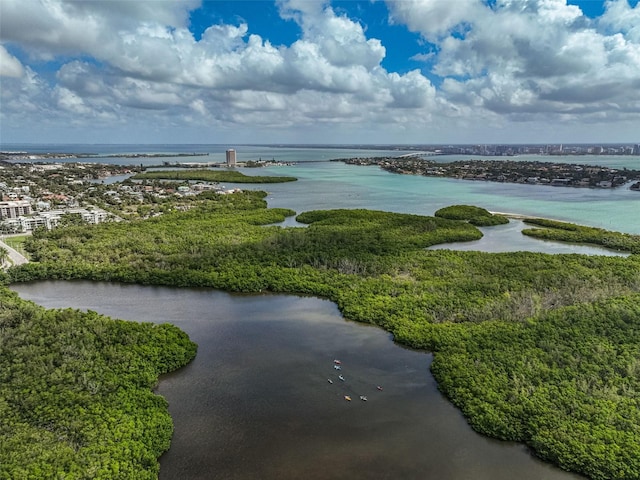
545	229
509	171
477	216
76	397
537	348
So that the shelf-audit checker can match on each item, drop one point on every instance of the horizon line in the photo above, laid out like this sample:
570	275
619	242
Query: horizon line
281	144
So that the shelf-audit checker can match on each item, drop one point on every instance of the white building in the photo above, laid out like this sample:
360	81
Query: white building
14	209
231	158
50	219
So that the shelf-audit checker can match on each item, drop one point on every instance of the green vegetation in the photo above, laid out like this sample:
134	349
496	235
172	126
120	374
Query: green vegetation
16	241
474	215
75	393
512	171
567	382
568	232
230	176
541	349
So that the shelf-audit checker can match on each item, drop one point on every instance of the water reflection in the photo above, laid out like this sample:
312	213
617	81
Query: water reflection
256	402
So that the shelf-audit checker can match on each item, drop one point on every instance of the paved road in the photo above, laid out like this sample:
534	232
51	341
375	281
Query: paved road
15	257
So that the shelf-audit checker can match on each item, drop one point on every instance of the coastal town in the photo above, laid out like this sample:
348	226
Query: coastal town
49	191
48	195
509	150
509	171
494	150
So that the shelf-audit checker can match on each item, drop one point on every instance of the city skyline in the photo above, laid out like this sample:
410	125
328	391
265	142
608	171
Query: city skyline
302	72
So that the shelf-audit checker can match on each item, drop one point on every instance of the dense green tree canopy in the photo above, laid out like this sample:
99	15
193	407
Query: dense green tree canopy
75	393
566	232
532	347
474	215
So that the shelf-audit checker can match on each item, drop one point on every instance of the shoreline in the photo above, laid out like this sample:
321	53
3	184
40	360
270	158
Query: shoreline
533	172
521	216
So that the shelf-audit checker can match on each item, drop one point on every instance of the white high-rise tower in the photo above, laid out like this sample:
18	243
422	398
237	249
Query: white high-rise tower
231	158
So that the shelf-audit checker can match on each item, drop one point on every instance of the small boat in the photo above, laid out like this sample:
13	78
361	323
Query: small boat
363	398
341	377
337	367
379	387
347	398
337	362
329	380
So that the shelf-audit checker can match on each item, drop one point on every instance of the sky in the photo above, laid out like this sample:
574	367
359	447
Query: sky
320	72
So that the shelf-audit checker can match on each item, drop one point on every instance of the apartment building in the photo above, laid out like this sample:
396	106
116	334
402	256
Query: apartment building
14	209
231	158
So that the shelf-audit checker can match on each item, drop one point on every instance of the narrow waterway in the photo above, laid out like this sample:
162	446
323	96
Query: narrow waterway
257	401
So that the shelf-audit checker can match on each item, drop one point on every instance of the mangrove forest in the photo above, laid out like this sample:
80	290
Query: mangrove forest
536	348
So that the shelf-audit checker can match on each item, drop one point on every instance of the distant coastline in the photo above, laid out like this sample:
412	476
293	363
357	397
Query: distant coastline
25	155
507	171
489	150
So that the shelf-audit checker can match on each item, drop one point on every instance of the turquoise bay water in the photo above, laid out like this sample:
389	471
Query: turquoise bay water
323	184
256	403
336	185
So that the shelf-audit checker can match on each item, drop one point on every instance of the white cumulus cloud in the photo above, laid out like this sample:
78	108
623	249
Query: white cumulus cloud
10	66
524	57
111	64
147	59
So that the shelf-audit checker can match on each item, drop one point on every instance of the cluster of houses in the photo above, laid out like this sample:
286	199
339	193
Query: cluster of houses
26	202
18	216
528	149
19	212
138	190
529	172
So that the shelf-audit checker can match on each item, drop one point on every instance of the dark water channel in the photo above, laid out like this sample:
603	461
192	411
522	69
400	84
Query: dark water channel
256	402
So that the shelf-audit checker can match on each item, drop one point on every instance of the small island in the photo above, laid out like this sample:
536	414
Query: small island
506	171
535	348
521	341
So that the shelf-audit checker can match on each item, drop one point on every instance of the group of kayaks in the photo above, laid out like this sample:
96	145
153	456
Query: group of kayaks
337	365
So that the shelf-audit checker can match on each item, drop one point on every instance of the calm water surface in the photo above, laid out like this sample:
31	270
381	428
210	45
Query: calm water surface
508	238
324	184
336	185
256	403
